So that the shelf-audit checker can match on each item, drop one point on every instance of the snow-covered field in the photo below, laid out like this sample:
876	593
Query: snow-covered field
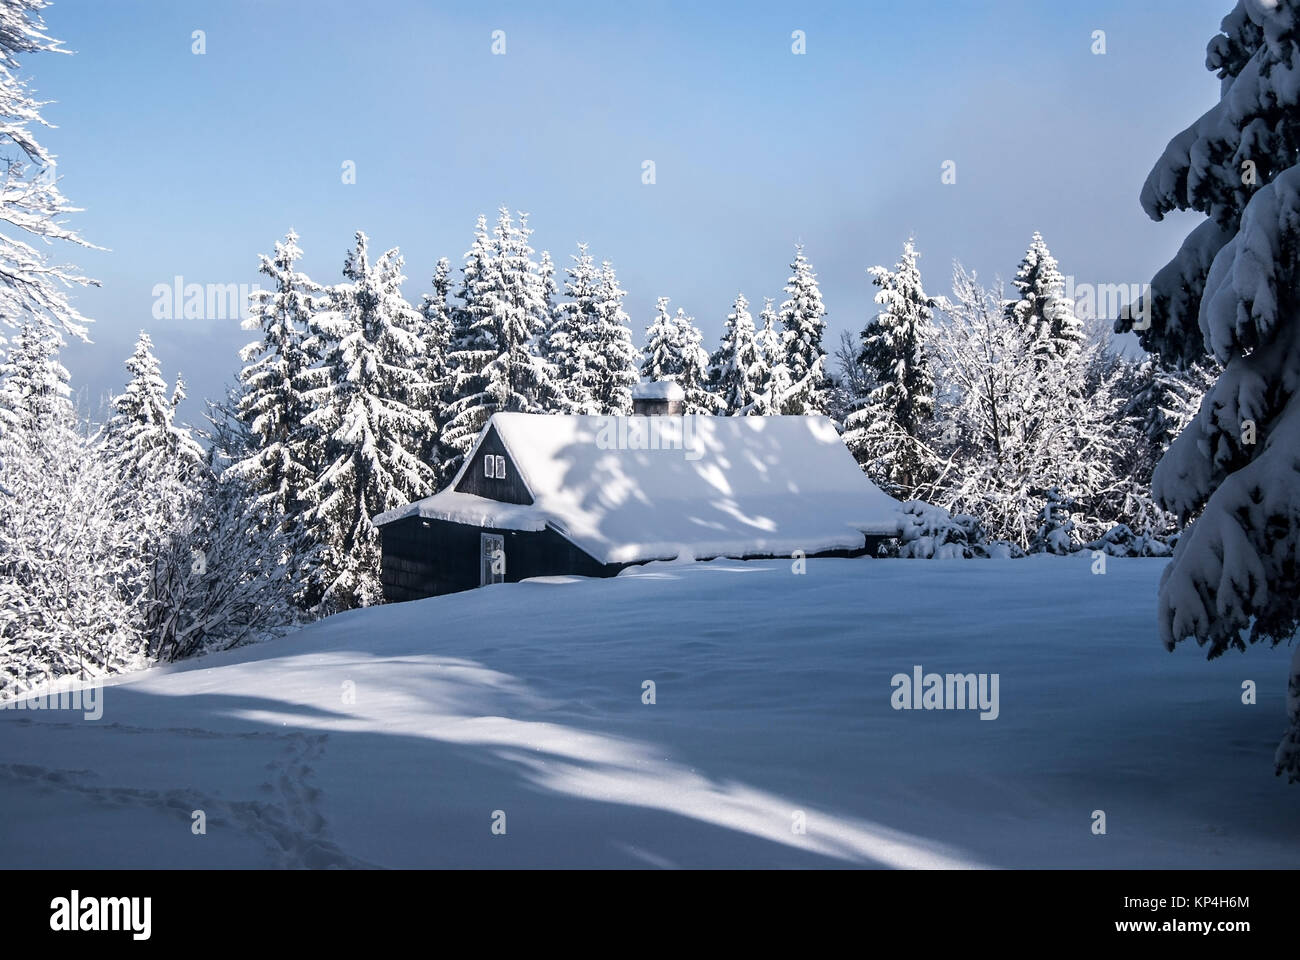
392	736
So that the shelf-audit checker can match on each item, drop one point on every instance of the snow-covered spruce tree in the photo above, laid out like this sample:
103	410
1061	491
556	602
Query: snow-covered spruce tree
34	392
772	345
413	380
473	344
662	356
1055	532
31	202
890	432
496	355
674	351
550	289
803	322
551	306
436	332
160	469
1043	312
589	342
1011	426
142	439
693	366
738	367
1231	291
61	610
371	430
519	304
565	345
612	370
279	465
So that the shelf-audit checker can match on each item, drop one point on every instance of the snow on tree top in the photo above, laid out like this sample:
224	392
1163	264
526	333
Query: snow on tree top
658	390
633	489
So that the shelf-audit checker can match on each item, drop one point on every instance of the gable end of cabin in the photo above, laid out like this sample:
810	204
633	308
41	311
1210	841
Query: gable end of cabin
493	474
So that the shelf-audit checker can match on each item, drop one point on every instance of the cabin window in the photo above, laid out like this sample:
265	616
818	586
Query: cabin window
501	467
489	466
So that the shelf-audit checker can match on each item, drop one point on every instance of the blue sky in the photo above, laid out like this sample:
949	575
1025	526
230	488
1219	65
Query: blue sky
192	165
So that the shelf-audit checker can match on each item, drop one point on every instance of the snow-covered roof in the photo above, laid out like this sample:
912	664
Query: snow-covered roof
658	390
631	489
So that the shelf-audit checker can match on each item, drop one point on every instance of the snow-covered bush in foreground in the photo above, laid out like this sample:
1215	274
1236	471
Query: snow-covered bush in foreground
1231	291
932	533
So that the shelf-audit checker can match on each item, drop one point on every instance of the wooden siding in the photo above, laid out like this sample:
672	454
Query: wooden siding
510	490
428	558
656	407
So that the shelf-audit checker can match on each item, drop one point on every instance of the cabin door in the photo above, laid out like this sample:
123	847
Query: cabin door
492	559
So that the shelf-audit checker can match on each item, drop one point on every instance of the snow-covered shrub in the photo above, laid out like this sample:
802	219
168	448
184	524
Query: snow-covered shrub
738	369
1121	541
1055	528
932	533
225	577
63	609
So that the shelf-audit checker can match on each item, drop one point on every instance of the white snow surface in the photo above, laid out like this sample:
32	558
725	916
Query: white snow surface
716	487
389	736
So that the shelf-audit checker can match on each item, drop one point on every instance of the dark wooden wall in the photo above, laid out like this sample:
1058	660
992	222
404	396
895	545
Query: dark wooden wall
510	490
428	558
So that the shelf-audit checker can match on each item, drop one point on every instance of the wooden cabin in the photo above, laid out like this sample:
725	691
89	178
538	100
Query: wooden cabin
547	495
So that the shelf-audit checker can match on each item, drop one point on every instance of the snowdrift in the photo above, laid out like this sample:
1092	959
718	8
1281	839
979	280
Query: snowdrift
398	736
